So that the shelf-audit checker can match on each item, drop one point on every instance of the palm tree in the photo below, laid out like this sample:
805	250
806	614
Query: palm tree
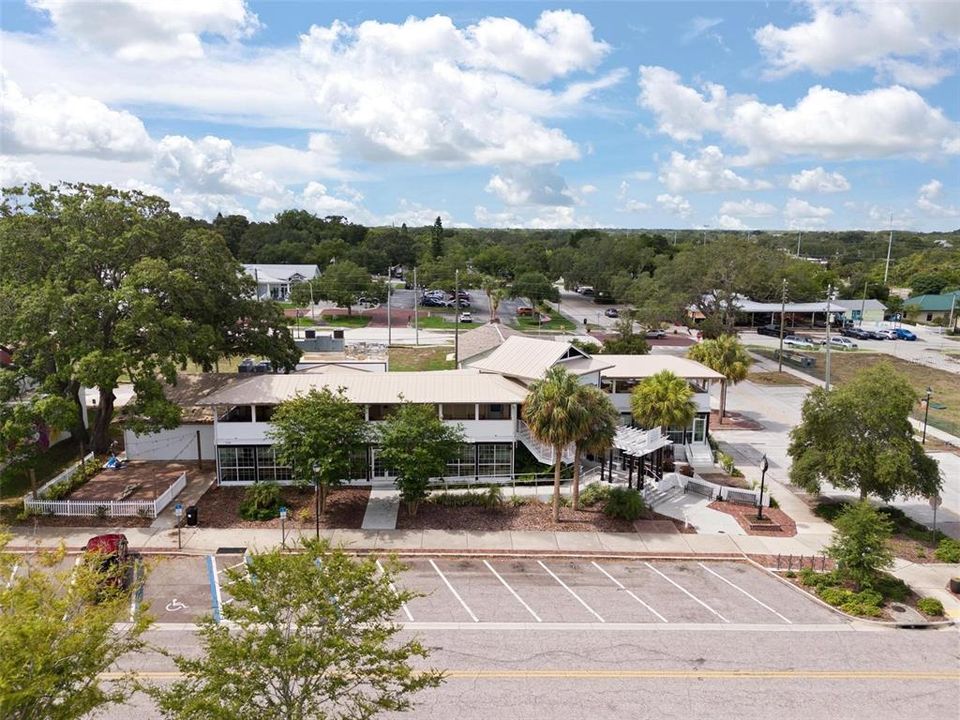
495	294
663	400
554	412
728	357
597	432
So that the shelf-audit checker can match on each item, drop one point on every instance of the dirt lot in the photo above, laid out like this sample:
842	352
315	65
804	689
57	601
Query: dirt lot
409	359
146	480
220	508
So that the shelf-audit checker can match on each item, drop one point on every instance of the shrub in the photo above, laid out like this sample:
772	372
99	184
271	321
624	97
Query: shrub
890	587
948	551
829	510
726	462
493	497
519	500
773	502
101	511
856	608
835	596
594	493
930	606
261	501
685	470
624	504
860	543
790	574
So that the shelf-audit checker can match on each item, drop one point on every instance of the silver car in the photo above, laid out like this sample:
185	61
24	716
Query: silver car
843	343
795	341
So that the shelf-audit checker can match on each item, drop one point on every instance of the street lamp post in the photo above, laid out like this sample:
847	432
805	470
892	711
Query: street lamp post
763	476
926	413
283	529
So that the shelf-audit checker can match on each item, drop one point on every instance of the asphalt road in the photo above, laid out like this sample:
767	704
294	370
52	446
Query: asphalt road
810	672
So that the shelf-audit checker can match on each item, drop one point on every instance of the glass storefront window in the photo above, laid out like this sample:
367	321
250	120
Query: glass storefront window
494	459
463	465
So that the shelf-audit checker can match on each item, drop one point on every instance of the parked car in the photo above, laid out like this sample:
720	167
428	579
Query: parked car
430	301
264	366
466	317
654	334
771	330
612	313
843	343
815	341
875	335
585	290
111	553
904	334
246	365
795	341
854	332
524	311
888	334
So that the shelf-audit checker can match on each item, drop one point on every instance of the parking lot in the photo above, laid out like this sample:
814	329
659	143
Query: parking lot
530	590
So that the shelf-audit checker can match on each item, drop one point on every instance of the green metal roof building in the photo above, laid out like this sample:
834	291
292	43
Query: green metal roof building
934	308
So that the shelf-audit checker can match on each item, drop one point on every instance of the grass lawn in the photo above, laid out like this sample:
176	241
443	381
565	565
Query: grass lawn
775	378
15	480
557	323
409	359
442	323
347	321
946	389
300	322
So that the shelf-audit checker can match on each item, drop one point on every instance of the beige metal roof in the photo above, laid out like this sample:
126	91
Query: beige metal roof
484	338
642	366
529	358
441	386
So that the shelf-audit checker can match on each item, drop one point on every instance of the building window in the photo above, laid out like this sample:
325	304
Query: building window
459	411
265	412
464	463
494	459
381	412
495	411
238	413
929	317
238	464
268	469
607	385
379	469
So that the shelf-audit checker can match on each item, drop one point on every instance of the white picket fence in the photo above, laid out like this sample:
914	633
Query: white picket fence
107	508
65	475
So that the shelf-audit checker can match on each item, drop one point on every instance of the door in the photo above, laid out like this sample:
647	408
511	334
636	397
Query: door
380	471
700	430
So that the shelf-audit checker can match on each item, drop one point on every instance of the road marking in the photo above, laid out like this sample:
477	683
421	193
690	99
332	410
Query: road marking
667	673
176	606
687	592
567	588
629	592
737	587
455	593
393	588
512	591
215	600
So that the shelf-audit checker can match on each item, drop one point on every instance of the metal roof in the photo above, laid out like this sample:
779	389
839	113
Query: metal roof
643	366
280	273
934	303
868	304
484	338
530	358
441	386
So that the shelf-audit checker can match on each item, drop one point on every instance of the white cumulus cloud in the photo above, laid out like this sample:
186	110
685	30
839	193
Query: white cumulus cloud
704	173
800	214
209	165
929	200
149	30
747	208
675	204
818	180
17	172
530	186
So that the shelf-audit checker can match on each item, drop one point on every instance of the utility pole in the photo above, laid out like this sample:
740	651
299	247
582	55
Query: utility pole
456	327
799	233
886	270
389	319
313	308
783	308
416	308
863	303
827	368
953	303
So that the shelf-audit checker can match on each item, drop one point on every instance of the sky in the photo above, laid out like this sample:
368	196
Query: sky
745	115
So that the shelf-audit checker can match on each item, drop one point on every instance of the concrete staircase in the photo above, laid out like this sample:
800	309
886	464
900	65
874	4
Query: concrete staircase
658	497
699	454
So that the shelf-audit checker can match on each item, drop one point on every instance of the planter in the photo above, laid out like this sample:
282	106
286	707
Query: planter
955	585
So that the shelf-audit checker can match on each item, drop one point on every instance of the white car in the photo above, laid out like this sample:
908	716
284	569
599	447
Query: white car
797	342
466	317
843	343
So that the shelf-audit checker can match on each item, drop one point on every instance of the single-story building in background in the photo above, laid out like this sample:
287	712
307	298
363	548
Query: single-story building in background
869	311
274	281
937	309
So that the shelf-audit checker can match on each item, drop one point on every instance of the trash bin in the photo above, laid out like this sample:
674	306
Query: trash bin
192	516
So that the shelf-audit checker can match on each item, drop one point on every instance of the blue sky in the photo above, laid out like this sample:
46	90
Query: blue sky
684	114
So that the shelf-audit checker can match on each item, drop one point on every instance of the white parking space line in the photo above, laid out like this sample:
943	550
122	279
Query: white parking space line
213	576
737	587
629	592
567	588
686	592
455	593
393	589
512	591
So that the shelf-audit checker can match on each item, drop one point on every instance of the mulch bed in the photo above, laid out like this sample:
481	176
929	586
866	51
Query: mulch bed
726	480
532	516
912	550
82	522
746	515
733	421
219	507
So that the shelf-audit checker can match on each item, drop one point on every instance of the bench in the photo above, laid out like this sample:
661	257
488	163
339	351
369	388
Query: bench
741	497
698	488
796	359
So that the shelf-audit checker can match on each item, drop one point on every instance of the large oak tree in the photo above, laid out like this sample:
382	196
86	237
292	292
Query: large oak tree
99	284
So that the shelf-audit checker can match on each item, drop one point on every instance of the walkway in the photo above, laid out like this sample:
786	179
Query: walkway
382	508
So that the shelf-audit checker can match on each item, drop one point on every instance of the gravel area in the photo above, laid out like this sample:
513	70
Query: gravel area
746	515
220	508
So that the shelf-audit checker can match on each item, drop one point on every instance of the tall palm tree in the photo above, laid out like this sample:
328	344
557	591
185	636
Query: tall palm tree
663	400
597	431
728	357
554	412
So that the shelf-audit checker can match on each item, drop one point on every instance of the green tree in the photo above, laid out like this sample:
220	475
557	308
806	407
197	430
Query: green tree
417	445
495	292
319	435
534	286
304	292
929	283
727	356
555	415
436	238
312	637
858	437
626	341
55	641
860	543
343	283
595	436
98	283
663	400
